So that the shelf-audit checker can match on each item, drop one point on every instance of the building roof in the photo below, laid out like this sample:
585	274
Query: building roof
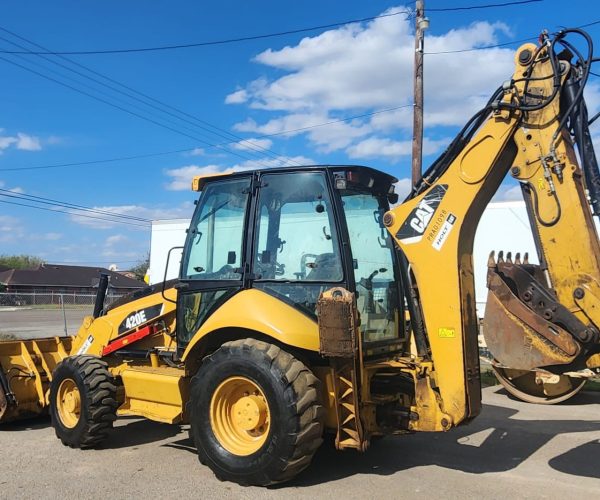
66	276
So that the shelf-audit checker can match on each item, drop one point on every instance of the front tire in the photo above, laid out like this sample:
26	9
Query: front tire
83	401
255	413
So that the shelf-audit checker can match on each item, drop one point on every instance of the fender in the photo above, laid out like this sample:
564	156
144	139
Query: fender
257	310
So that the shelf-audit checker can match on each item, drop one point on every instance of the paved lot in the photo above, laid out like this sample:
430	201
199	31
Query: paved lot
32	323
513	450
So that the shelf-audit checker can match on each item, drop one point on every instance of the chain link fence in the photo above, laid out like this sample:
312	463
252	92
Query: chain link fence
53	299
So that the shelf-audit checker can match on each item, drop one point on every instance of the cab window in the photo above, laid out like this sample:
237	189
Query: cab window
374	266
296	234
215	241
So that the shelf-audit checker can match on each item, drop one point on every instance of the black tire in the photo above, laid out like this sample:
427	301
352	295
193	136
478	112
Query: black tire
98	402
296	413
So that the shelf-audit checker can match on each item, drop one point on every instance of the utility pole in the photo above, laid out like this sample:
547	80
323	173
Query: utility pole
421	24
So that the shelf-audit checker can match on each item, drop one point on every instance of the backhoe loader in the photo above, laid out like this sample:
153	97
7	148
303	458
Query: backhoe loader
305	305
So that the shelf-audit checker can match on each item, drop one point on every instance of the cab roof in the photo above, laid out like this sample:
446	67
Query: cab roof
200	181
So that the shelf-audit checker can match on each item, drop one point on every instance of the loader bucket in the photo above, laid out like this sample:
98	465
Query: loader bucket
26	368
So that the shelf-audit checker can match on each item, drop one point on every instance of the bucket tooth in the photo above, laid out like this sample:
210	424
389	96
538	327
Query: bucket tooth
509	257
526	258
518	258
500	256
492	259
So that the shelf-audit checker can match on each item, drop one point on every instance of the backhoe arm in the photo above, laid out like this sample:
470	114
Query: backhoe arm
518	131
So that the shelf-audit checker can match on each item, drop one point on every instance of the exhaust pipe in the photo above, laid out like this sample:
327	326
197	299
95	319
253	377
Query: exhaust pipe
101	294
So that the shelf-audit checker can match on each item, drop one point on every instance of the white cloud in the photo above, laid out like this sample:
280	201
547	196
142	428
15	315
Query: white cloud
11	229
253	144
16	190
181	178
380	148
237	97
28	142
197	152
151	213
363	67
402	188
22	141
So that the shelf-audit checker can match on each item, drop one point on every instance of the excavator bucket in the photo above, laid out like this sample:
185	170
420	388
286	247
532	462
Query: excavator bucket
524	326
26	368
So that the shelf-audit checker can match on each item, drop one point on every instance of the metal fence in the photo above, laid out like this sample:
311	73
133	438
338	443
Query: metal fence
52	299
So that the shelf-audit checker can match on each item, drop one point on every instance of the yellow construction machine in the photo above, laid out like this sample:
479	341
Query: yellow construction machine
305	305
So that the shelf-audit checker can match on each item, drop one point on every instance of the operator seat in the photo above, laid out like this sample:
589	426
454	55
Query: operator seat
326	267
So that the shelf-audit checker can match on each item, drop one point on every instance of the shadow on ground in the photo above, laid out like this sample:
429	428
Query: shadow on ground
580	461
493	442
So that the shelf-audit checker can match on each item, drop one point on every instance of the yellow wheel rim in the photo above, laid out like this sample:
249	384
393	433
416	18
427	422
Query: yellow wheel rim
239	416
68	403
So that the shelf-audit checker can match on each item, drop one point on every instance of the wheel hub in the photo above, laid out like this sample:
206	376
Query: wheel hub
240	416
69	403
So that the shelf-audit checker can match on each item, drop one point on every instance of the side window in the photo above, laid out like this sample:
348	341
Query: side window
215	242
372	253
296	233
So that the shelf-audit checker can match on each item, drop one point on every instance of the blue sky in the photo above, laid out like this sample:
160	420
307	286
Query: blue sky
249	89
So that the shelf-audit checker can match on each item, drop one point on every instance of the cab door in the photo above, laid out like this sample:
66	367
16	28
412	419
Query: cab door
213	266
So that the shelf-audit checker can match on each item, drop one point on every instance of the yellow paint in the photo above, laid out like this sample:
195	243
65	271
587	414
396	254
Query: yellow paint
199	181
35	357
256	310
239	416
106	328
155	393
68	403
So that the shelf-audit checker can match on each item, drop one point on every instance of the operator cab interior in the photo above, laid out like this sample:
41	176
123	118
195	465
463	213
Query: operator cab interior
294	233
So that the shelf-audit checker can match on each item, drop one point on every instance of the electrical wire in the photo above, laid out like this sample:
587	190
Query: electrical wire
63	204
187	150
204	124
128	111
209	43
176	129
487	6
115	221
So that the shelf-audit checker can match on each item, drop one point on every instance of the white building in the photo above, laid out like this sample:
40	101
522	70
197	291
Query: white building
503	226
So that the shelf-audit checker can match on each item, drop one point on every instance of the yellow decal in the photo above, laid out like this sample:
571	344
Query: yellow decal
541	184
446	333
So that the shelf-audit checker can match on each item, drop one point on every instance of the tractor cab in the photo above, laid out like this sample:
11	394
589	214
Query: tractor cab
293	233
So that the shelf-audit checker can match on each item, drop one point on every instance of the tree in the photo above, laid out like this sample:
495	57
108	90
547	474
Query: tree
20	261
141	268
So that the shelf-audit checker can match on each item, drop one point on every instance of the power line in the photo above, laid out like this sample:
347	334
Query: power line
187	150
523	40
204	124
117	106
213	42
513	42
74	215
487	6
64	204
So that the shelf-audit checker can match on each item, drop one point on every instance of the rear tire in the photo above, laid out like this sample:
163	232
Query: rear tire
83	403
291	425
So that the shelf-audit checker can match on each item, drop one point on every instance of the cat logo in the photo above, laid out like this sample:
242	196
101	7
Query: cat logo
414	226
422	217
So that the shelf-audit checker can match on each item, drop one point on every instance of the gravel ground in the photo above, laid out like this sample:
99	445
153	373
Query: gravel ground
512	450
